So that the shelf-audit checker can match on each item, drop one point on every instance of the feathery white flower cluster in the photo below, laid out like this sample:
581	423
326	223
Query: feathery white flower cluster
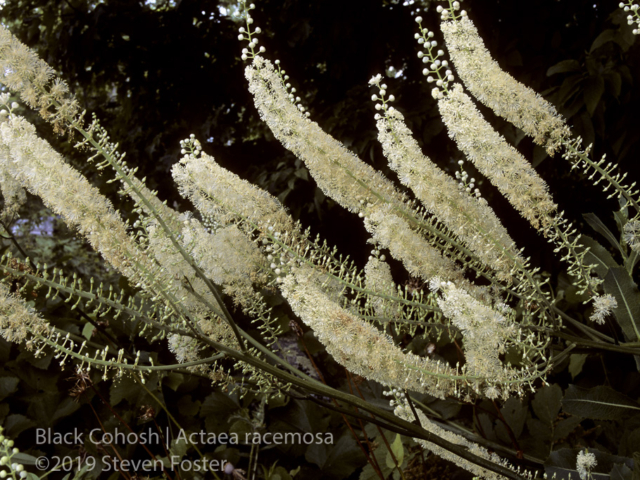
13	194
185	349
486	332
17	322
631	235
408	246
221	195
499	91
343	176
471	219
603	306
43	172
404	411
358	345
501	163
227	256
633	17
378	280
22	71
585	462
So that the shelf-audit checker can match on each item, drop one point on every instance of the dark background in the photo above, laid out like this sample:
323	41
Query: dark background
156	73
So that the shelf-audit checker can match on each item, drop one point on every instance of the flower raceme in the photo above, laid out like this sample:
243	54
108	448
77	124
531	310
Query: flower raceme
498	90
345	178
470	218
501	163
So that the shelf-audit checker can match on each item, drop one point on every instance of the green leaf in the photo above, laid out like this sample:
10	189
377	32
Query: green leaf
599	403
15	424
619	284
485	425
614	82
565	427
597	224
576	362
593	90
605	37
630	264
187	407
87	330
24	458
173	380
398	450
564	66
621	472
636	466
598	256
220	404
8	385
336	461
515	413
547	403
179	447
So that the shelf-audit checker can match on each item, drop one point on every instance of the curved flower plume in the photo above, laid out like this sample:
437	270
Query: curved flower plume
343	176
358	345
488	333
471	219
43	172
404	411
22	71
498	90
378	279
220	194
501	163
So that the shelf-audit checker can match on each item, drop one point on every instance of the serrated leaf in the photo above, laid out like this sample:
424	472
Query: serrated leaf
631	261
599	226
598	256
636	466
576	362
599	403
564	66
539	430
547	403
220	404
619	284
621	472
15	424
